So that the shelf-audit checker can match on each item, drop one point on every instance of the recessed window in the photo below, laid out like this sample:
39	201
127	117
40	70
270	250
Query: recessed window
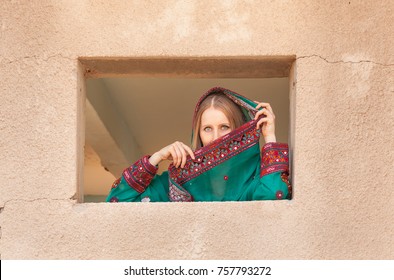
136	111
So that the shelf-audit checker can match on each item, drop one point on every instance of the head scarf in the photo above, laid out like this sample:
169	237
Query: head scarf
226	168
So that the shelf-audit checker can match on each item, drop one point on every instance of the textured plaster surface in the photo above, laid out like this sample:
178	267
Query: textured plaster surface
342	147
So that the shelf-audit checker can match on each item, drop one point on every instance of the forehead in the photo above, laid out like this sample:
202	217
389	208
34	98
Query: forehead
213	116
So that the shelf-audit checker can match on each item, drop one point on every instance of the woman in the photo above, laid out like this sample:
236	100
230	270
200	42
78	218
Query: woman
224	162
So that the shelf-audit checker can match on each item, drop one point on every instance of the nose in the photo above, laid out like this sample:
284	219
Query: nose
216	134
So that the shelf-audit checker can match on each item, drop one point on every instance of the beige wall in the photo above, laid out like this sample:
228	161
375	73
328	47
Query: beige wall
342	89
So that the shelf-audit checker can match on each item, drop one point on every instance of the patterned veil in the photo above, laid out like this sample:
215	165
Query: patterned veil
227	169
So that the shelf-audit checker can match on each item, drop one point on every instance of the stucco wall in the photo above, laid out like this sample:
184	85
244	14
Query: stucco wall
343	143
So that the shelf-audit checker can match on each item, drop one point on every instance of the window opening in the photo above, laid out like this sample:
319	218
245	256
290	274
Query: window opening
137	114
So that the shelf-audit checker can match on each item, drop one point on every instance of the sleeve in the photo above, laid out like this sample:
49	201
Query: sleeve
139	182
274	173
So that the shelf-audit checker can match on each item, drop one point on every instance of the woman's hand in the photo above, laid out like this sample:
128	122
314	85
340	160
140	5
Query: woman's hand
267	123
176	152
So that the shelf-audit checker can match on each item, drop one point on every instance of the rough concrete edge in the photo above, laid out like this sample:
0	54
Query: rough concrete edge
342	61
292	124
43	58
80	129
1	232
190	66
82	59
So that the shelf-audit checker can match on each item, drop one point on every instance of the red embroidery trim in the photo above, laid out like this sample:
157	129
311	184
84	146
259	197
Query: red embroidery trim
279	195
178	194
285	178
148	166
274	158
140	174
116	183
217	152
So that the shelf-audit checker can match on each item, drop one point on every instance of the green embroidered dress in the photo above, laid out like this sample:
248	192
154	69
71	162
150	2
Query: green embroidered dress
231	168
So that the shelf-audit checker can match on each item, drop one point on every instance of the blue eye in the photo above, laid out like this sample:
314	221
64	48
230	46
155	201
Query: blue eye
207	129
225	127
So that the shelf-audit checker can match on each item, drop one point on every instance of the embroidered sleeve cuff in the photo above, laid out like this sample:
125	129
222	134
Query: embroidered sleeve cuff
140	174
274	158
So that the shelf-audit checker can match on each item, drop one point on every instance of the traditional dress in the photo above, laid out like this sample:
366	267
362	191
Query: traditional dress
231	168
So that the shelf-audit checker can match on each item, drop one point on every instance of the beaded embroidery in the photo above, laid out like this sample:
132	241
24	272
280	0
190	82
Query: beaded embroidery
217	152
140	174
279	195
285	178
116	183
178	194
274	158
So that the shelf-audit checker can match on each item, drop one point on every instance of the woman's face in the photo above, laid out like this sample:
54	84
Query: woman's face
214	124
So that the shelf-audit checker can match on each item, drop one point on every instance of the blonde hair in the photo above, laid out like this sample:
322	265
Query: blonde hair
220	102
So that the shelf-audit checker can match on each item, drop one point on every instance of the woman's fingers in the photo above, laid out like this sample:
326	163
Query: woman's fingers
265	112
187	148
173	155
258	114
179	152
176	155
181	149
267	122
261	122
176	152
264	105
269	117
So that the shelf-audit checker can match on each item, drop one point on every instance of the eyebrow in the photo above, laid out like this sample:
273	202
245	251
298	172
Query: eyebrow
203	126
